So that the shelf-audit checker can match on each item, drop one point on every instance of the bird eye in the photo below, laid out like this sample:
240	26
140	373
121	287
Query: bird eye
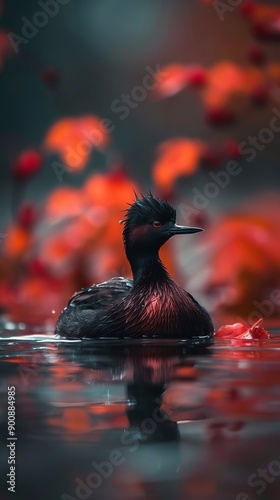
156	223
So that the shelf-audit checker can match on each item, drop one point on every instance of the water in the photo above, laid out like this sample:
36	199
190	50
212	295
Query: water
140	421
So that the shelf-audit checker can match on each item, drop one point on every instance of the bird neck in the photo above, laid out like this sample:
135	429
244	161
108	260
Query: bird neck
148	270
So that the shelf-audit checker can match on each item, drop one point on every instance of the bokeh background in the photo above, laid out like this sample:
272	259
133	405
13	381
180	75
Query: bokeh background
103	97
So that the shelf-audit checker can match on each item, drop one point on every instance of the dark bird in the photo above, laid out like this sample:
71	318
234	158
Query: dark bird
151	305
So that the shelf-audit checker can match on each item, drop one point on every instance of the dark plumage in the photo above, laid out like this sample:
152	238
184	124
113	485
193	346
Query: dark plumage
152	304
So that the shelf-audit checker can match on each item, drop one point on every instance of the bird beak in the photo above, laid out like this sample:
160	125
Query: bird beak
184	230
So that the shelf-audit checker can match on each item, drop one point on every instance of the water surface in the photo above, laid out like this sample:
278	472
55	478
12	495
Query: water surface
140	421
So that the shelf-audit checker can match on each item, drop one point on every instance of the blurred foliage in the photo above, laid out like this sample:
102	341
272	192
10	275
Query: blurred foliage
73	238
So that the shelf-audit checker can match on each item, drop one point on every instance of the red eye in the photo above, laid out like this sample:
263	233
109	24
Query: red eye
156	224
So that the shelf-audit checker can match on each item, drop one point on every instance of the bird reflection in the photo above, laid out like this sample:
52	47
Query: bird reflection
151	441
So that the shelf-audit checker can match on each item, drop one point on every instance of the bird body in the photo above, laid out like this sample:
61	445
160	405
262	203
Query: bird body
151	305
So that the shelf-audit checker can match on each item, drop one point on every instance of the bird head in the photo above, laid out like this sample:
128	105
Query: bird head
149	222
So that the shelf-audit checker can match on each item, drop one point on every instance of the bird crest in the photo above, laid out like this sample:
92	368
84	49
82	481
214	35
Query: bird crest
147	209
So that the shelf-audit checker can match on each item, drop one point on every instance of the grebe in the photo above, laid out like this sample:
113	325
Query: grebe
151	305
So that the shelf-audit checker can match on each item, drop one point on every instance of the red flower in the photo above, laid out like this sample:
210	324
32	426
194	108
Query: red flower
236	426
118	174
27	215
200	219
211	158
231	149
37	268
266	30
256	55
259	96
219	116
247	8
27	163
197	77
50	77
167	194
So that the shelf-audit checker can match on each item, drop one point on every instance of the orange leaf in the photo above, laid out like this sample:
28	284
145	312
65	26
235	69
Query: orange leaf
265	21
76	420
64	203
266	13
55	253
75	138
110	190
224	80
172	79
16	242
273	72
176	157
253	79
175	77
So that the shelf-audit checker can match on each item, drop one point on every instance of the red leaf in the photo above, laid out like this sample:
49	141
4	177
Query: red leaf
241	332
256	332
231	331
